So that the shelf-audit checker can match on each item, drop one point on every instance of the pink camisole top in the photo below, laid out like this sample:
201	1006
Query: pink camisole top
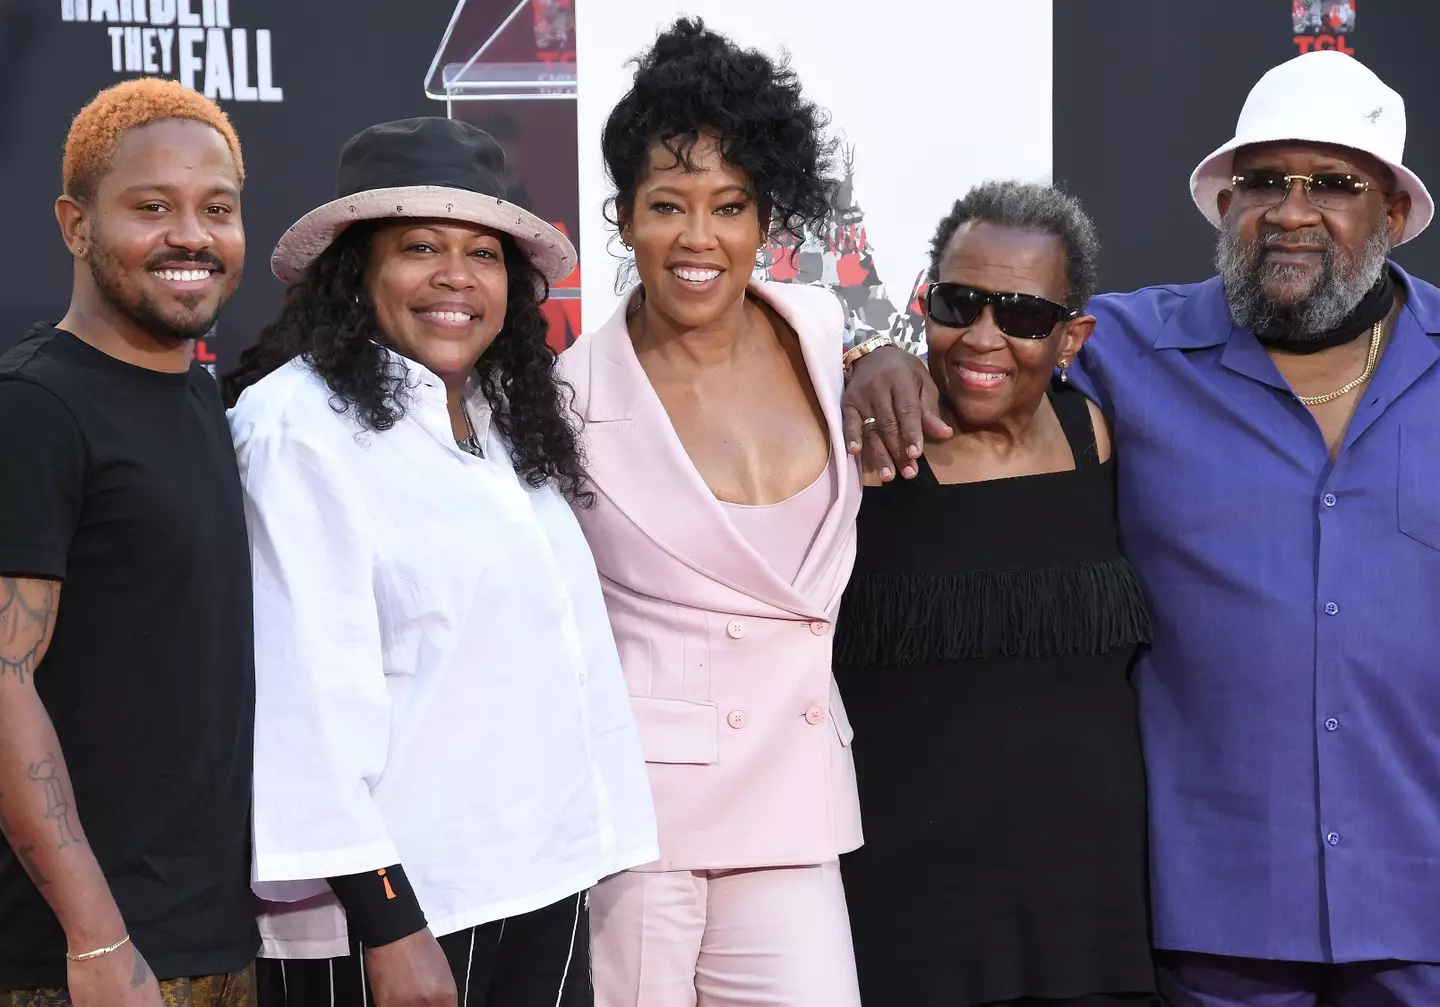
782	533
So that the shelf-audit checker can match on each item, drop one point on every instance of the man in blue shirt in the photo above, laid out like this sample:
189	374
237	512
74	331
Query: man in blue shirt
1277	431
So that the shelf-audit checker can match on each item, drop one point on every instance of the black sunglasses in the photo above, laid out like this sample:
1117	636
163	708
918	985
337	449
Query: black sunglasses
1023	316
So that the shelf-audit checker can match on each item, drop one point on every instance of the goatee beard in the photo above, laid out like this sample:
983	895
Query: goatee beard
1343	282
142	311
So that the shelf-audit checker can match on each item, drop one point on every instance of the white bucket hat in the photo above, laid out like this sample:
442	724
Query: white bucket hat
1321	97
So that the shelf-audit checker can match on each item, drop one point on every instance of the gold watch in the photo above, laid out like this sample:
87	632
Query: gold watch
857	351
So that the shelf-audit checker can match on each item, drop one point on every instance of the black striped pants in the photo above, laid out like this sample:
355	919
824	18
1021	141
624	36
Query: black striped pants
541	959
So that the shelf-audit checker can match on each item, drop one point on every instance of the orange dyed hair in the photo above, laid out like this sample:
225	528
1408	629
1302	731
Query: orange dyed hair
96	130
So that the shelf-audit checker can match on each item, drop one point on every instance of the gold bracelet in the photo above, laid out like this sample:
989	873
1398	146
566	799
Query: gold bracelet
860	349
87	955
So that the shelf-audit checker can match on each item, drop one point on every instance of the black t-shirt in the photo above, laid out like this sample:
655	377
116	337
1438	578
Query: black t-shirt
121	481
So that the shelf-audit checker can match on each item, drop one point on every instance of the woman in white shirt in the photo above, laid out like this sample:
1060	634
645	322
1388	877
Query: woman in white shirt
445	758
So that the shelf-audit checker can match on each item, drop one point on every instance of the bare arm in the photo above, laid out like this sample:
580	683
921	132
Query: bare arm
38	817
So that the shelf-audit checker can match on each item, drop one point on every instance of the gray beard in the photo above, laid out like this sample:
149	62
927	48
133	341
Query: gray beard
1343	282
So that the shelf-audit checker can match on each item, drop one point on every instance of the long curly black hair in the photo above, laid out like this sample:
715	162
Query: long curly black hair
329	320
693	81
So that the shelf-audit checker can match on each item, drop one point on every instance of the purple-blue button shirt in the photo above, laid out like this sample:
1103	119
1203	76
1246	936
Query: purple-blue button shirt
1290	703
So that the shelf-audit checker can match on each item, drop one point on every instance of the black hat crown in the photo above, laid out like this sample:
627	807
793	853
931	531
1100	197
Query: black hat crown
428	150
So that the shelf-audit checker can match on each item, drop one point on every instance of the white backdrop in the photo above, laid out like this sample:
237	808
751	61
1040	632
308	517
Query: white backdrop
933	95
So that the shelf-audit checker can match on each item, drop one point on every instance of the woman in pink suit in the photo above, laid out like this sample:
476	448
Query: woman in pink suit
723	529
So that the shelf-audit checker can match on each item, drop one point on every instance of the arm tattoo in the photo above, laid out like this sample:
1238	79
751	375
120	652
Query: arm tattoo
26	608
57	805
23	853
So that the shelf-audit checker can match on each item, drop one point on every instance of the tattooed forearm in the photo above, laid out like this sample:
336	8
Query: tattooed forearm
57	805
25	853
27	610
26	856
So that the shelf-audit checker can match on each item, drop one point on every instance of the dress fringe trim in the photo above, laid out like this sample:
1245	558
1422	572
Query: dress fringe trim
900	619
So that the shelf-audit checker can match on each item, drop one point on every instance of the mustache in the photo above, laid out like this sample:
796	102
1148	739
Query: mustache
1290	239
183	259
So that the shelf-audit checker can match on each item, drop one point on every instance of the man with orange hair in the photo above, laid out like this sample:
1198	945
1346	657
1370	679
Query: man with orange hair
126	662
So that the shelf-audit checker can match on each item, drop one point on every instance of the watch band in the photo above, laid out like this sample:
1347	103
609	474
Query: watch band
860	349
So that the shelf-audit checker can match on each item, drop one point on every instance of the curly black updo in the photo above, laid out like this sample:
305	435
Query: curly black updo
329	320
694	81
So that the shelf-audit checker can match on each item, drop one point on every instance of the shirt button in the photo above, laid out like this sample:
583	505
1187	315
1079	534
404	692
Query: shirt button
1329	499
1331	608
582	678
814	715
737	719
1331	724
819	628
736	629
1333	839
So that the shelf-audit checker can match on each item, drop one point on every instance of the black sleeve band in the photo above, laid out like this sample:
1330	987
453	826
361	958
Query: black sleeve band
380	906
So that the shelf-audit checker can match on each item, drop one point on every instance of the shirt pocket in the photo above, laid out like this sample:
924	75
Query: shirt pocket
1418	493
412	618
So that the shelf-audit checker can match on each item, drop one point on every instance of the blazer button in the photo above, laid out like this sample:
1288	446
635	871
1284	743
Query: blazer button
819	628
736	629
737	719
814	715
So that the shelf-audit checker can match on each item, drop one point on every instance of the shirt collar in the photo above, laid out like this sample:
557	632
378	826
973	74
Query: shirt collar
1203	319
427	387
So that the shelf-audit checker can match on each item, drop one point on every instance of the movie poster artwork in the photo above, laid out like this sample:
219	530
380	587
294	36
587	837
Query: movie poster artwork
1322	17
840	257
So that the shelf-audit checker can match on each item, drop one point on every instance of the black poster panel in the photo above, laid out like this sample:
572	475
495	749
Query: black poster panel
1144	89
297	77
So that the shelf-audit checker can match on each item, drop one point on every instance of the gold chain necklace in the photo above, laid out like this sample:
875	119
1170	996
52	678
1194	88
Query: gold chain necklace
1350	386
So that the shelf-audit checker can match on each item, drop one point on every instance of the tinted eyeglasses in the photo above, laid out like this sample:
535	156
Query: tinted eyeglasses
1330	190
1023	316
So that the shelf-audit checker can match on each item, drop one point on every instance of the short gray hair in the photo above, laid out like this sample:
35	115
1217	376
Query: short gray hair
1033	207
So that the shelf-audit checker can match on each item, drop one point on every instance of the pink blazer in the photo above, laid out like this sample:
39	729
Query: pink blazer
728	665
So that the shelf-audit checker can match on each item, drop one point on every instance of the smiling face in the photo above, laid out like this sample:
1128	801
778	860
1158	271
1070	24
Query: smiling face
985	375
163	235
439	290
1291	269
695	234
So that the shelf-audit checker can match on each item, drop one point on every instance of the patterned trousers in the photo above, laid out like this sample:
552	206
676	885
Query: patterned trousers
234	990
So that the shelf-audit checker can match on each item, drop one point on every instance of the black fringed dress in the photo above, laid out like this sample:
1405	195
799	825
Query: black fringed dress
983	652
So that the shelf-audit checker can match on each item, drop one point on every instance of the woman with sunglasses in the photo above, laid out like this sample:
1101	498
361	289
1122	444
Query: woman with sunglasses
984	645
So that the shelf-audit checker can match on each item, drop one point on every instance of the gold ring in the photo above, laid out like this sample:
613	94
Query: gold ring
868	422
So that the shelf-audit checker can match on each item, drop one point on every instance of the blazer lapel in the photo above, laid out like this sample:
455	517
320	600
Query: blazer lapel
817	581
639	463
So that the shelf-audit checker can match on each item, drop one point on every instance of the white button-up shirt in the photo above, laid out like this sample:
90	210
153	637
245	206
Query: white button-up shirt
437	684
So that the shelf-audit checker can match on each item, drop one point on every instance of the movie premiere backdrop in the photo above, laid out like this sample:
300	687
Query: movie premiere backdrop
1114	99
